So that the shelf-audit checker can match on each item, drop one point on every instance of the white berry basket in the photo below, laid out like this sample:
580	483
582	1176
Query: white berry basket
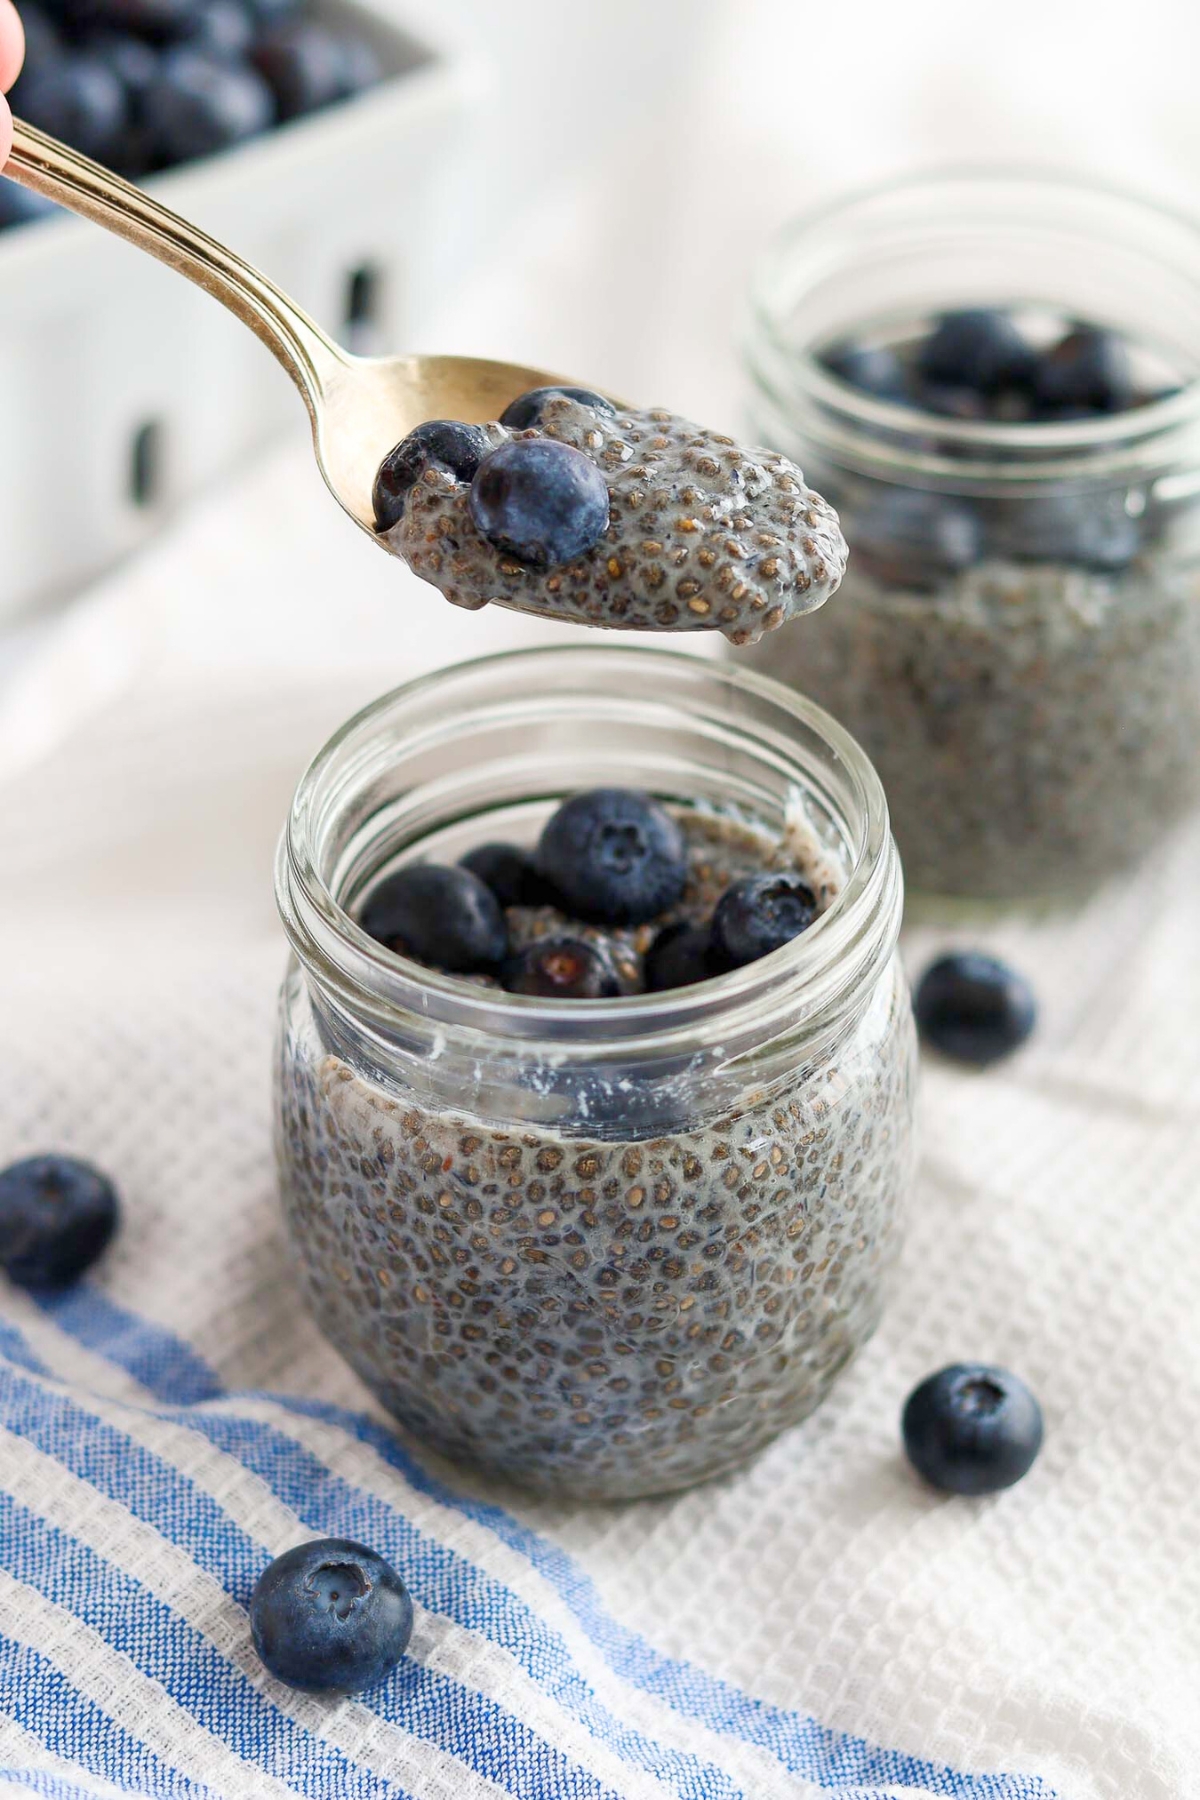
123	389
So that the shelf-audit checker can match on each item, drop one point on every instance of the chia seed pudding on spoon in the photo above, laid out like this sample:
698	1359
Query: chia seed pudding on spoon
573	509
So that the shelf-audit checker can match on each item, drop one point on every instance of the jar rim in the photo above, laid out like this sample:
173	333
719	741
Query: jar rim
811	977
881	436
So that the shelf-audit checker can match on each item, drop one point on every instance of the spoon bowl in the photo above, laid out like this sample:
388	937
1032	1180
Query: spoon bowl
360	406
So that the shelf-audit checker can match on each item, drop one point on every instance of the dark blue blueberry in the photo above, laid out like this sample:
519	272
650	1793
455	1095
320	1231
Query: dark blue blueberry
331	1617
1088	372
440	443
442	916
539	501
77	99
56	1217
43	42
309	66
978	347
198	105
561	968
134	63
21	206
974	1008
510	872
614	855
972	1429
678	957
523	413
871	368
159	21
1092	530
222	28
268	14
912	537
759	914
951	402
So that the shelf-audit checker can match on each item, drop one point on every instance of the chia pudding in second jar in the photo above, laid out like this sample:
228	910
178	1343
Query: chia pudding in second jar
604	1247
1017	640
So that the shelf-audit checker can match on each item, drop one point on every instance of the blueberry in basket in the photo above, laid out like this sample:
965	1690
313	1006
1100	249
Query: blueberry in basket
148	85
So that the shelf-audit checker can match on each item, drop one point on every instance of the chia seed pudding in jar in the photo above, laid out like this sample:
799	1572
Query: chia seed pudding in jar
604	1246
1016	643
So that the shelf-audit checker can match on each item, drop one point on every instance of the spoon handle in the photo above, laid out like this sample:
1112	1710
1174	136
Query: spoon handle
48	167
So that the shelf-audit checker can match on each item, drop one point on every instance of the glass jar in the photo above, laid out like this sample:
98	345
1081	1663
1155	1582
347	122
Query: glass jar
1016	643
606	1247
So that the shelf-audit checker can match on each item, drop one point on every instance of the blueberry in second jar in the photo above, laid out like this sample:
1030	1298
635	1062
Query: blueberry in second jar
614	855
539	501
442	916
198	105
911	536
871	368
57	1215
438	443
974	1008
972	1429
509	871
1088	372
330	1617
757	915
976	347
1092	530
678	957
527	409
561	968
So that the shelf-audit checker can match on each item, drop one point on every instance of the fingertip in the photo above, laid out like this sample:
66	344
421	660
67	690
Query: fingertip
12	45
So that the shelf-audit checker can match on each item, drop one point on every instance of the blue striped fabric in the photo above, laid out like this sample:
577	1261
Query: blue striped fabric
135	1517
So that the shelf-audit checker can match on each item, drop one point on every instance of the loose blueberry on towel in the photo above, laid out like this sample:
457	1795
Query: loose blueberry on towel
561	968
57	1215
510	872
439	444
972	1429
444	917
974	1008
330	1616
527	409
539	501
678	957
614	855
759	914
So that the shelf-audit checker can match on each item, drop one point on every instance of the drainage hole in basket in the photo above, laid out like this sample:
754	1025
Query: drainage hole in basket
364	303
146	463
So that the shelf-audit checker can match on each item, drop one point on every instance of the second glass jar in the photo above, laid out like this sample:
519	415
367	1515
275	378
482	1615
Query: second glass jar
1016	643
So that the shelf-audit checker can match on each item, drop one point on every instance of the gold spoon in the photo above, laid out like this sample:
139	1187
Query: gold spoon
360	406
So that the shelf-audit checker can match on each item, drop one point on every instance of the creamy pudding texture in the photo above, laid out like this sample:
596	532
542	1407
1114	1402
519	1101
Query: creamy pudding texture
702	534
613	1289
